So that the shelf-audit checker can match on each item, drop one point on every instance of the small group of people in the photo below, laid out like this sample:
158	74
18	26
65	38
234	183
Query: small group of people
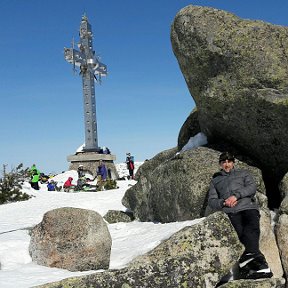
83	181
101	175
104	150
233	191
36	176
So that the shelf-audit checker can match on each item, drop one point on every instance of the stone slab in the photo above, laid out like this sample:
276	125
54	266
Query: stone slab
90	156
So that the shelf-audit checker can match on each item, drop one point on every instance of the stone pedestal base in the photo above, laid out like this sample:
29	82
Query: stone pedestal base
90	162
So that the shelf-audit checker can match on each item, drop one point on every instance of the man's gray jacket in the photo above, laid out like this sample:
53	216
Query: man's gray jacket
238	183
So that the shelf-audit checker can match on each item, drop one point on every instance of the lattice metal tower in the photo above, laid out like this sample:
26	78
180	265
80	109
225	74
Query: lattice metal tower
91	69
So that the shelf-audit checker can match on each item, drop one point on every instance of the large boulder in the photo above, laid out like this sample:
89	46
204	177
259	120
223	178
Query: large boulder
189	129
196	256
284	206
237	73
148	166
139	201
268	244
281	230
260	283
71	238
283	188
176	189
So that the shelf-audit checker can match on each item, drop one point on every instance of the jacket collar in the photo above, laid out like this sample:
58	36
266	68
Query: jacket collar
224	173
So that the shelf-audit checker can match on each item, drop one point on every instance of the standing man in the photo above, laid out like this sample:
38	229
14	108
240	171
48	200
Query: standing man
35	177
101	175
232	191
130	165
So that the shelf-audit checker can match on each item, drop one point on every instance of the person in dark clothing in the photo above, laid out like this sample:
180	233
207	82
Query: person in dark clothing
51	186
80	171
101	175
102	171
35	180
130	165
233	191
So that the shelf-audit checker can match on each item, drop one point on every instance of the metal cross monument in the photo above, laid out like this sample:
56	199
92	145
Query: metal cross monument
91	69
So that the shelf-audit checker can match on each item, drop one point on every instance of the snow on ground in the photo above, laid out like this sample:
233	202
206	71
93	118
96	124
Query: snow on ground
128	239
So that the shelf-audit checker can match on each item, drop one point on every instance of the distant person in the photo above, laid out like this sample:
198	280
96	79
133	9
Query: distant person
35	179
233	191
51	186
101	174
80	171
130	165
102	170
68	186
33	169
43	178
106	150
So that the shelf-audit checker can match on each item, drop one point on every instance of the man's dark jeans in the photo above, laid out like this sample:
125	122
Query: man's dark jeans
246	224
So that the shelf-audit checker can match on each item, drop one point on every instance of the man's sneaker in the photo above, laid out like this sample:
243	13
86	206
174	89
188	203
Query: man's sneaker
246	258
256	268
259	268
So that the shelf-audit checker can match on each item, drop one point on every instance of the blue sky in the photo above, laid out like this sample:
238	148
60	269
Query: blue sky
141	105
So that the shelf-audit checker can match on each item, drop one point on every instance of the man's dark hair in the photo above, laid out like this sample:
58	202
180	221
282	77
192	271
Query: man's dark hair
226	156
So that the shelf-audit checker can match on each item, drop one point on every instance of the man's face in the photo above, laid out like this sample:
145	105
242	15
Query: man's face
227	165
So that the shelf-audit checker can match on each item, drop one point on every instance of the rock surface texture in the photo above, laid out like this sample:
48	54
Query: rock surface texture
237	72
282	240
115	216
196	256
268	244
71	238
175	189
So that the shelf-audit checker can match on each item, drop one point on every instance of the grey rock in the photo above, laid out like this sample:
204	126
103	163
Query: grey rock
115	216
268	244
283	186
71	238
236	71
196	256
189	129
260	283
176	188
281	231
138	202
148	166
283	209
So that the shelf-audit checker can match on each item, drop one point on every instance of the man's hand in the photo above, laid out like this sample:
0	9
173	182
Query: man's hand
230	201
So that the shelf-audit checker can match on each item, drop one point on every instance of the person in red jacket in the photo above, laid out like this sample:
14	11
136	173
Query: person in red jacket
130	165
68	184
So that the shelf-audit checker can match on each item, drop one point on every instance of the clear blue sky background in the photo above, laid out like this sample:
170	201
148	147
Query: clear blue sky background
141	105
